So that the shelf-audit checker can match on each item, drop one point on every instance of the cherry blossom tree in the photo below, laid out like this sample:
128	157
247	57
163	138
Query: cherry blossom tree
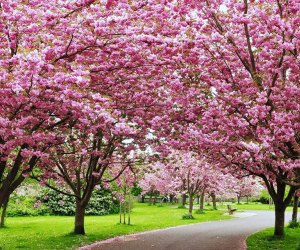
31	78
82	163
124	187
246	92
246	187
65	63
184	172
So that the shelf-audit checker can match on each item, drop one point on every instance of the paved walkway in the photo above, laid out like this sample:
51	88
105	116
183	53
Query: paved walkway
215	235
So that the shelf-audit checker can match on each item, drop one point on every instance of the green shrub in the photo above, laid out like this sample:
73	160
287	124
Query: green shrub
24	203
181	207
264	197
293	224
187	217
136	190
101	203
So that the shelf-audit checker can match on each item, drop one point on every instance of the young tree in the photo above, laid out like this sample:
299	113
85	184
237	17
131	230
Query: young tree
124	187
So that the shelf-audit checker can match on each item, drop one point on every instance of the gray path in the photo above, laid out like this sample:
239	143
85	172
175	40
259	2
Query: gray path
216	235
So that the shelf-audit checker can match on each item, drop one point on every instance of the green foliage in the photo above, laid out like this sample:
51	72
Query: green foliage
23	202
101	203
188	217
181	207
25	206
293	224
136	190
264	197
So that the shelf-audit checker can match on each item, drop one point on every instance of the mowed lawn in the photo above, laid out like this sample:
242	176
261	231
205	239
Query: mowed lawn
251	206
53	232
264	240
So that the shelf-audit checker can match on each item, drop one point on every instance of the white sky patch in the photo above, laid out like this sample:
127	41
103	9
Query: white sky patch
213	91
128	141
223	8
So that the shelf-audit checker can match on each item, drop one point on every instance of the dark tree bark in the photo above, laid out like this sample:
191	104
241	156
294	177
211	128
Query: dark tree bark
214	201
238	199
202	201
183	200
120	212
155	199
124	212
280	202
198	199
3	213
279	219
143	198
15	175
191	203
171	198
295	208
79	217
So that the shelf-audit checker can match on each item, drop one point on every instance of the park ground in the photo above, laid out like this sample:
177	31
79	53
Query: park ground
264	240
53	232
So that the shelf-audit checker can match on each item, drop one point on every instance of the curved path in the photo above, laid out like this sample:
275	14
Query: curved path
215	235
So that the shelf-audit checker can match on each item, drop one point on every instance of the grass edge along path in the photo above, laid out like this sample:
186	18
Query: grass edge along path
264	240
53	232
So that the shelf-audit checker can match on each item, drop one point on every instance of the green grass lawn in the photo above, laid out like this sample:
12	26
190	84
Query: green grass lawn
263	240
53	232
251	206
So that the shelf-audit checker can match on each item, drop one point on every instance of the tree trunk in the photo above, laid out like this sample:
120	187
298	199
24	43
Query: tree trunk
120	211
155	199
4	199
124	211
281	201
3	214
129	200
143	198
191	202
171	198
183	200
79	218
202	201
238	199
247	199
295	208
213	196
279	220
198	199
